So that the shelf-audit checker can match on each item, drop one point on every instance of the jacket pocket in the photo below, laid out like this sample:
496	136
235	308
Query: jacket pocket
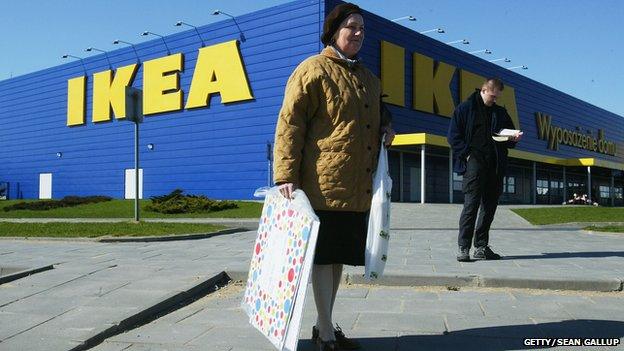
336	175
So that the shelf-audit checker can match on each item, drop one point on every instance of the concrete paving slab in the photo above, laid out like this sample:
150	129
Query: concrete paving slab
423	246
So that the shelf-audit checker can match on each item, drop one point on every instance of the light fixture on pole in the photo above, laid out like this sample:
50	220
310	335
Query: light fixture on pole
180	23
134	113
437	30
117	41
91	48
463	41
78	58
500	59
516	67
219	12
146	33
485	51
409	18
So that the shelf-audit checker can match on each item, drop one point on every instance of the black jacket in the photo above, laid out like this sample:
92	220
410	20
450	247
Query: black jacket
461	128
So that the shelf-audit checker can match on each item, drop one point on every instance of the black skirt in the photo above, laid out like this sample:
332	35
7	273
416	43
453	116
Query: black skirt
341	238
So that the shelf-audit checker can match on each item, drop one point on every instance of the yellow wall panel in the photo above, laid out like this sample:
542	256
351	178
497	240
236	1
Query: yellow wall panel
219	69
109	91
468	82
76	101
422	92
161	84
443	100
393	73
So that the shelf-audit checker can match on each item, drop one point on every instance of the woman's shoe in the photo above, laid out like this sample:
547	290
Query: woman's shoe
343	342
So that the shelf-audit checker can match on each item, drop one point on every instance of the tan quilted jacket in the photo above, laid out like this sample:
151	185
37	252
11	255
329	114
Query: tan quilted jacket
327	137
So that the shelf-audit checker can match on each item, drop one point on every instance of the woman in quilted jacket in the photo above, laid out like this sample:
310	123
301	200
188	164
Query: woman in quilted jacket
327	143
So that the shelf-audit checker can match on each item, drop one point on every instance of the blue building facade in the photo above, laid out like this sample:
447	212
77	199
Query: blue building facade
222	149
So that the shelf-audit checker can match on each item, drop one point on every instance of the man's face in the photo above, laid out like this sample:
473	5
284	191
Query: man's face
489	95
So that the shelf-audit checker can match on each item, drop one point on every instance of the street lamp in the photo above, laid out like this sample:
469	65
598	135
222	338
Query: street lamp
117	41
437	30
485	51
78	58
91	48
219	12
409	18
180	23
500	59
463	41
145	33
516	67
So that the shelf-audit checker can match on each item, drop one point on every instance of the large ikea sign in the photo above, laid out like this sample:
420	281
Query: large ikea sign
431	85
219	69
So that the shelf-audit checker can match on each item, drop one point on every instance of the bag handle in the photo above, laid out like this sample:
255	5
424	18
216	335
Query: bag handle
383	156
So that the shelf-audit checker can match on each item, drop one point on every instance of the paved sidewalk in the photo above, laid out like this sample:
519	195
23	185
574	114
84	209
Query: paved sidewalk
97	289
396	319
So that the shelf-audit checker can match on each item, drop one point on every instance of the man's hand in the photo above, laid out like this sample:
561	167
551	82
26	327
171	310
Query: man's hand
287	190
516	137
390	133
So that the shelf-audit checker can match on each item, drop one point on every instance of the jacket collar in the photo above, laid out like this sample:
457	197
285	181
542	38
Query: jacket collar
477	101
336	55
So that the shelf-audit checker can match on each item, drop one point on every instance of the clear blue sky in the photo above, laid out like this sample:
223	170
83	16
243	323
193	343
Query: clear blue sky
573	46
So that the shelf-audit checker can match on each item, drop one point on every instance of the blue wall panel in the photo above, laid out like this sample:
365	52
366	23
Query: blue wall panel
531	96
220	150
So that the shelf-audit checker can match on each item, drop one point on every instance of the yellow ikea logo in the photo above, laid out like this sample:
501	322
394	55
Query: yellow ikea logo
219	69
431	80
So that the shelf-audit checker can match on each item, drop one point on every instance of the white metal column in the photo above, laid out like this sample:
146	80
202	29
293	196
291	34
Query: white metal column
589	192
422	174
450	175
565	186
612	190
401	176
534	186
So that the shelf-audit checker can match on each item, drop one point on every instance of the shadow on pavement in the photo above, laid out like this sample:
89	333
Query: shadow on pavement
530	229
498	338
589	254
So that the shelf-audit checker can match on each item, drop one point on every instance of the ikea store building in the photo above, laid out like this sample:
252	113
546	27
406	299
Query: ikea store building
211	97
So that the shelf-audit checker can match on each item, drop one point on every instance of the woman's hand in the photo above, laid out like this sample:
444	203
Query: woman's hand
390	133
287	190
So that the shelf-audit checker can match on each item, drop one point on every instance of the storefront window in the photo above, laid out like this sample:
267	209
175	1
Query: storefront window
618	193
457	181
604	192
542	187
509	185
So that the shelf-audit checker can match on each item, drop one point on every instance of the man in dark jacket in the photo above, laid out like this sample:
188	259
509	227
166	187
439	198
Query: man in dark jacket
482	162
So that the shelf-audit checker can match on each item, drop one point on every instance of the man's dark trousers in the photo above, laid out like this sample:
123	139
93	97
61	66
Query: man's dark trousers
482	187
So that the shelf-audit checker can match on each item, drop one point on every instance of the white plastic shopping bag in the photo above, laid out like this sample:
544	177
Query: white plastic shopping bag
378	234
280	267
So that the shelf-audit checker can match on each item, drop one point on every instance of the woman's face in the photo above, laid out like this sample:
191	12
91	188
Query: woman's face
350	35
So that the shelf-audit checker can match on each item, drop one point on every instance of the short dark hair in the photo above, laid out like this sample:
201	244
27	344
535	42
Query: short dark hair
494	82
334	20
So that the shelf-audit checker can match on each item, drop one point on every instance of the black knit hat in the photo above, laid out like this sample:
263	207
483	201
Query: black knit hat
335	18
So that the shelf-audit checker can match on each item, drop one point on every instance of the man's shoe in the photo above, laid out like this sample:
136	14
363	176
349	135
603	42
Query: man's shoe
326	345
485	253
342	341
463	255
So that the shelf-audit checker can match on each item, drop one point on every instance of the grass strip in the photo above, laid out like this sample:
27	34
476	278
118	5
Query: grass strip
554	215
125	209
607	228
92	230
